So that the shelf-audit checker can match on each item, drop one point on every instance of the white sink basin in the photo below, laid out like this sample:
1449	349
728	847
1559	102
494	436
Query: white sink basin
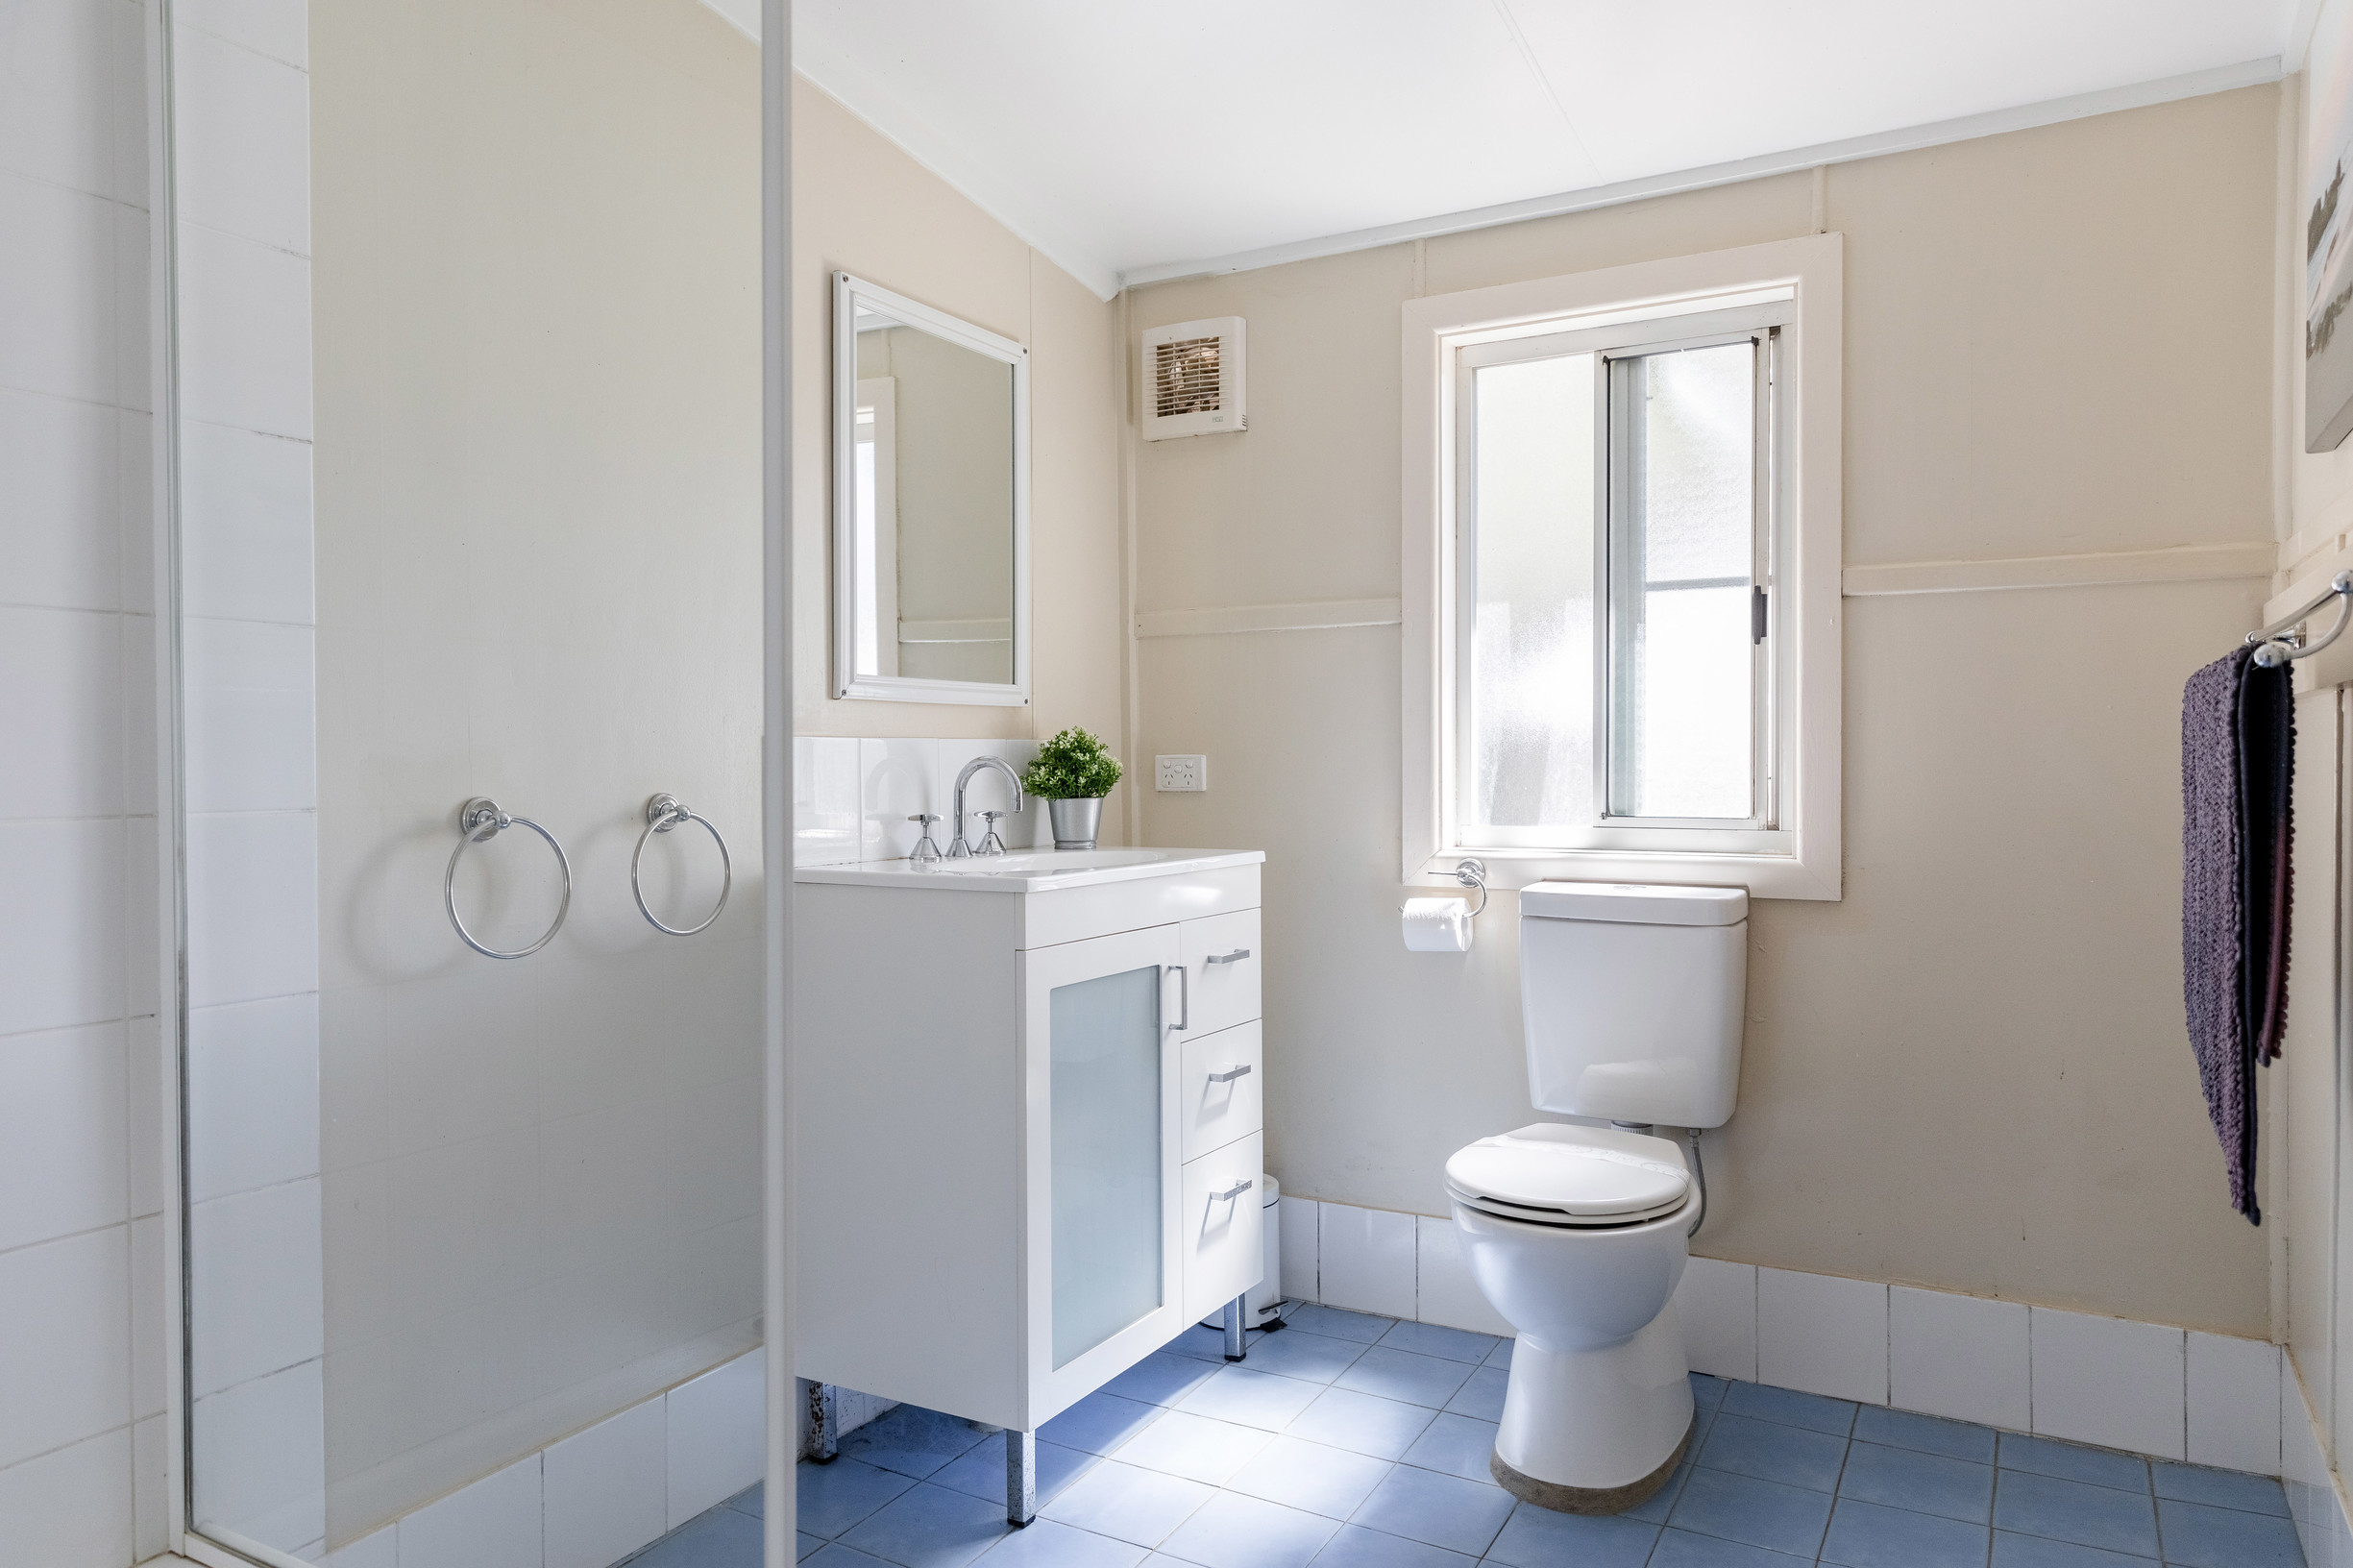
1036	870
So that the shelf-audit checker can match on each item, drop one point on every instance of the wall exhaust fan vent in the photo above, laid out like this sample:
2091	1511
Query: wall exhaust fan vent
1192	378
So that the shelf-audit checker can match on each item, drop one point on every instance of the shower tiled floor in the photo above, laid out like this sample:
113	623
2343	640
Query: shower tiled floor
1349	1441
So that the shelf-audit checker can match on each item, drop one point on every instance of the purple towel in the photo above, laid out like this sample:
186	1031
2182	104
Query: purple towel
2237	753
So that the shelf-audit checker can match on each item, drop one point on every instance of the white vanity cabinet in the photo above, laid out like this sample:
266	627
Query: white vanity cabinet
1027	1120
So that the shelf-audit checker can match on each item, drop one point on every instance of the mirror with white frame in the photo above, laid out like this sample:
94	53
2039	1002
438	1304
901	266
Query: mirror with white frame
931	503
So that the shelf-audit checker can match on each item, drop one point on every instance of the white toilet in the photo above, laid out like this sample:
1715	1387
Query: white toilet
1632	998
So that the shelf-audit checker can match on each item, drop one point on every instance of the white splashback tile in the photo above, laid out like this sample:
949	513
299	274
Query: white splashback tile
253	1089
1444	1290
495	1523
1297	1218
62	1365
57	513
150	1321
58	326
242	129
267	1447
246	549
1365	1258
381	1549
824	799
988	791
1717	1303
143	1093
604	1491
254	1296
896	779
1959	1356
2109	1382
57	121
253	881
718	1436
64	729
280	29
150	1502
249	727
244	333
61	925
71	1508
2233	1387
1822	1335
62	1125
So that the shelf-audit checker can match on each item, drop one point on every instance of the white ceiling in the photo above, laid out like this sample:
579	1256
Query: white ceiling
1132	140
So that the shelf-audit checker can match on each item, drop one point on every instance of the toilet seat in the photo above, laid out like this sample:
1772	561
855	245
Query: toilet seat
1555	1174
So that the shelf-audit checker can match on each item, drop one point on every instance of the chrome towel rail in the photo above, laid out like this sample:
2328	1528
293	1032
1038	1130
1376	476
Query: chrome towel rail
2284	639
478	821
662	813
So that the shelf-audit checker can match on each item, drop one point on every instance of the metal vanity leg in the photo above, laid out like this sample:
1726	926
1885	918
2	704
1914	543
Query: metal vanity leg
1234	1310
825	1423
1020	1477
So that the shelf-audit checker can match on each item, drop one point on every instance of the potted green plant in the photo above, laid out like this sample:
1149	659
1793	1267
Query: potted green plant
1072	772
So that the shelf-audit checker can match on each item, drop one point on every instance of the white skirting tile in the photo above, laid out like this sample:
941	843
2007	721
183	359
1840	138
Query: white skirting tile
1718	1304
1445	1291
2107	1380
718	1436
2234	1402
1297	1217
1365	1259
495	1523
1959	1356
604	1491
1822	1335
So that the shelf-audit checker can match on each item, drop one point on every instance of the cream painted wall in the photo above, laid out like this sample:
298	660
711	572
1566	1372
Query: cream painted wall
1970	1073
862	205
538	401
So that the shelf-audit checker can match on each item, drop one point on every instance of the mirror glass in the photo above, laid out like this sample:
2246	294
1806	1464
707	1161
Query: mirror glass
930	443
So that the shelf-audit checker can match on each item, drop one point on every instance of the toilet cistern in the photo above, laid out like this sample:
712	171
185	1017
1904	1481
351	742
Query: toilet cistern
956	848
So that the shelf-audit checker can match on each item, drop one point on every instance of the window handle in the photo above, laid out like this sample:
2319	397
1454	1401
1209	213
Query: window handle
1232	1193
1185	995
1756	615
1234	957
1230	1074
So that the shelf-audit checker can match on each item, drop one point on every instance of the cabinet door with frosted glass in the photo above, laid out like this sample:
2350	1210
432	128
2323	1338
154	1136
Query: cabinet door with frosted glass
1102	1030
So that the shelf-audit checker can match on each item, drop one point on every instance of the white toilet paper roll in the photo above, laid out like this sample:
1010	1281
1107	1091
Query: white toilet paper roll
1436	926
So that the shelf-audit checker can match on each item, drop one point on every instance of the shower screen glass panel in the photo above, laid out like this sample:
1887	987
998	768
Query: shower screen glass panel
1105	1157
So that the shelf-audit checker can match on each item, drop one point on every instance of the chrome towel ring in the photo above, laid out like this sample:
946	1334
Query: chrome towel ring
478	821
662	813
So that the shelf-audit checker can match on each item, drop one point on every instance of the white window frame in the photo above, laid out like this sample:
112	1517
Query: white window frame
1797	857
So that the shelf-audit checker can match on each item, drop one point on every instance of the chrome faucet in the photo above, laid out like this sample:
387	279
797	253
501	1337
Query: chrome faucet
956	848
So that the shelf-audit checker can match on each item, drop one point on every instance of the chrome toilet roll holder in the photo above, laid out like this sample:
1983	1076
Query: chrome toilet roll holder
1473	873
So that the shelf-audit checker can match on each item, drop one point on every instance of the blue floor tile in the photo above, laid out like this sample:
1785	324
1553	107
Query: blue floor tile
804	1543
1354	1546
1682	1549
719	1538
833	1496
1129	1504
751	1500
1481	1395
1500	1355
2035	1551
1436	1509
1457	1445
1301	1475
832	1555
1295	1353
2222	1488
1871	1535
1431	1339
929	1527
1790	1455
1656	1507
1706	1392
981	1473
1042	1543
1162	1379
912	1440
1927	1433
1362	1327
1789	1407
1534	1537
1250	1399
1099	1423
1361	1423
2072	1461
1403	1375
1751	1511
2076	1510
1235	1532
1903	1478
1194	1447
2198	1535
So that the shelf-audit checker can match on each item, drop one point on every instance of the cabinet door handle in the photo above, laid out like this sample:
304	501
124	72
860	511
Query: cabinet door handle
1232	1193
1234	957
1185	995
1230	1074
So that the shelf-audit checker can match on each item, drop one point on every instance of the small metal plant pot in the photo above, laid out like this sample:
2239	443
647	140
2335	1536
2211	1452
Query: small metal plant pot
1076	821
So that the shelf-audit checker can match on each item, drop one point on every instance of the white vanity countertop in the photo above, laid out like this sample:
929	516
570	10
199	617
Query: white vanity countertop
1040	870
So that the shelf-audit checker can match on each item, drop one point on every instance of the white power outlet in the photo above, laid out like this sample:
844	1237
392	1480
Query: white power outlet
1177	774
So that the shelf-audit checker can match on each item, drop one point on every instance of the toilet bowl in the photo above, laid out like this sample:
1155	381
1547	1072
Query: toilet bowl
1575	1234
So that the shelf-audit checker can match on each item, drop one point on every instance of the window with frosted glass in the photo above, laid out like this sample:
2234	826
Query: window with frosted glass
1106	1150
1613	540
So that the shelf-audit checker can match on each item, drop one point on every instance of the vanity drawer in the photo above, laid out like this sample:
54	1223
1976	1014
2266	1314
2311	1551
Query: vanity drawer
1225	987
1224	1085
1223	1248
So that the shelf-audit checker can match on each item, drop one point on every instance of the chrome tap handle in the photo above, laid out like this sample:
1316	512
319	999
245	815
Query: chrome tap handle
990	842
926	853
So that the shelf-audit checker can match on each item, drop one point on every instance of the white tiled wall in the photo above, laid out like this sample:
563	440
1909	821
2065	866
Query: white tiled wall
2140	1386
256	1333
79	1072
852	797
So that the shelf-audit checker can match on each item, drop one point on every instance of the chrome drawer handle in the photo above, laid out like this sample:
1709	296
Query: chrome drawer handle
1234	957
1234	1191
1185	995
1230	1074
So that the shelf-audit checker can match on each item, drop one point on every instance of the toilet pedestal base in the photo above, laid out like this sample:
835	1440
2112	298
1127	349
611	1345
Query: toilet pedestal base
1595	1431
